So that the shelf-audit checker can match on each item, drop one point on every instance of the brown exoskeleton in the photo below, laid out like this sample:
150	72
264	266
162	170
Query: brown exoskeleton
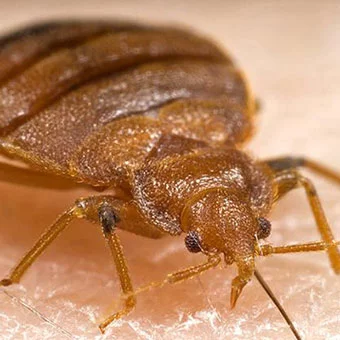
156	118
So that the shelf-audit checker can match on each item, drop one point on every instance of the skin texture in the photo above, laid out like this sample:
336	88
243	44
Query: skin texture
311	291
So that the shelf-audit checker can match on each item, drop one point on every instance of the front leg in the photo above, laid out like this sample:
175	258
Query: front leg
288	180
98	209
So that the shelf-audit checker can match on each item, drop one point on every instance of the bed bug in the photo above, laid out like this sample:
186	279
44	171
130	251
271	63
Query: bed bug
155	119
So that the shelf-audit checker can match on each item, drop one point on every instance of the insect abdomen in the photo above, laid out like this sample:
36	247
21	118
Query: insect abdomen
74	109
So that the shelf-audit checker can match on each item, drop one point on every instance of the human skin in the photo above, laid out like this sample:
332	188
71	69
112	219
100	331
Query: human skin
290	55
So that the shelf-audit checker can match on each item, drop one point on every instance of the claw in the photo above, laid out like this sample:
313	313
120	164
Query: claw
102	328
5	282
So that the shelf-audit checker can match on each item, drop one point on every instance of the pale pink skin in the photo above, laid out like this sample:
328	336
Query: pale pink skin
290	54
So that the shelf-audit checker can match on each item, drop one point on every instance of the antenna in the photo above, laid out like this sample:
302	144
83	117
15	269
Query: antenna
277	303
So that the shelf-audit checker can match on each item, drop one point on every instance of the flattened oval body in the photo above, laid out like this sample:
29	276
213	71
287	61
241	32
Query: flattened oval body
89	100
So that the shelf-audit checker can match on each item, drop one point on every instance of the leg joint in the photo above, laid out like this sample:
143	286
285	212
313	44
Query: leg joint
99	209
307	184
108	218
286	163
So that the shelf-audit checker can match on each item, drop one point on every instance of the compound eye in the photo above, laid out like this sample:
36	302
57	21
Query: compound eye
264	228
192	242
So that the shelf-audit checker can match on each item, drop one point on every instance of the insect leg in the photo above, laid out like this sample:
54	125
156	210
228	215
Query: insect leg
266	249
81	209
44	241
97	209
287	163
291	179
193	271
108	220
182	275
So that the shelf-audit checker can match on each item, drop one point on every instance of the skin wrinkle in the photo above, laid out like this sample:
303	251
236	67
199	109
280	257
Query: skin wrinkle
298	84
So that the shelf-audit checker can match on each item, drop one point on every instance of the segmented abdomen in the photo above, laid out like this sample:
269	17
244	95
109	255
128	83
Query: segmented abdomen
90	99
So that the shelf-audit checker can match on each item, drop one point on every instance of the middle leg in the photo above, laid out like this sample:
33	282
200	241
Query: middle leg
98	209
